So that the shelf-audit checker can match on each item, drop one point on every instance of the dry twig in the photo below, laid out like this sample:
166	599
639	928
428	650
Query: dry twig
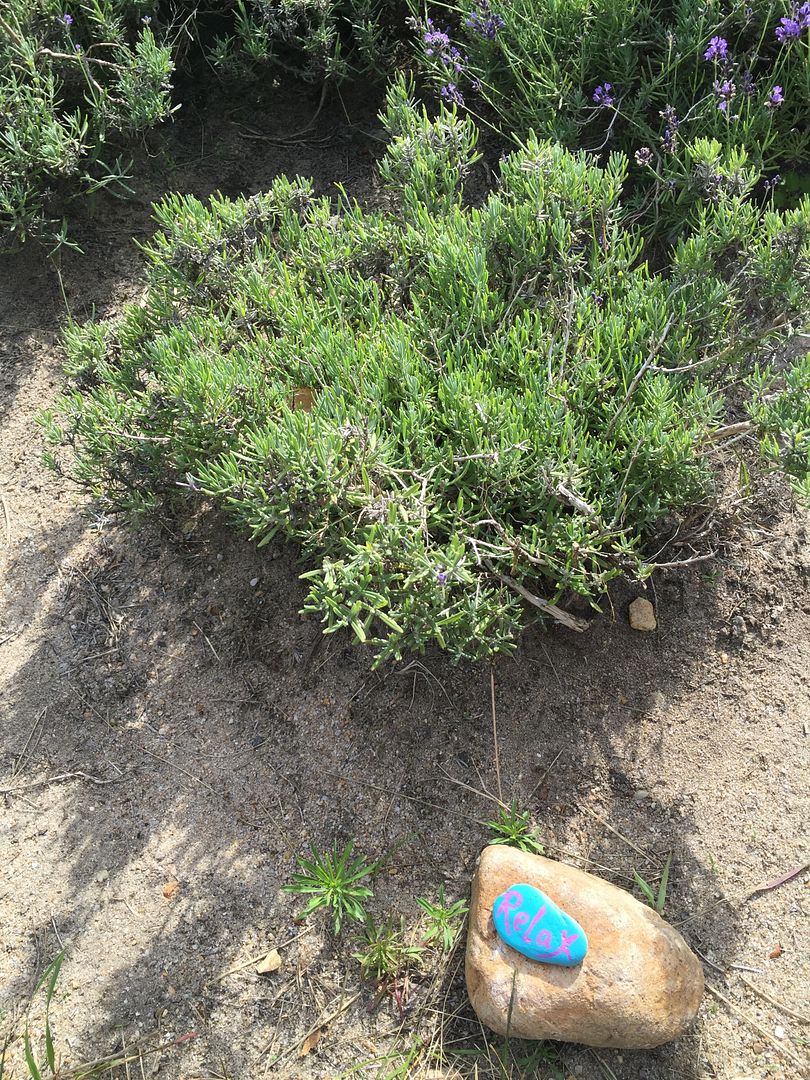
255	959
571	621
775	1002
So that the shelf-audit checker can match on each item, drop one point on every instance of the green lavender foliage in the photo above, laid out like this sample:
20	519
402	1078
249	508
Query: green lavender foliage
79	79
780	406
76	80
316	40
500	393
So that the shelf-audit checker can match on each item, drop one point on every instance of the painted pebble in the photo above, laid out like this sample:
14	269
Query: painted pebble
531	923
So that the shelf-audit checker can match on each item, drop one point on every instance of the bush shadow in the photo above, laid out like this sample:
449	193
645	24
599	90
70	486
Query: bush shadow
211	734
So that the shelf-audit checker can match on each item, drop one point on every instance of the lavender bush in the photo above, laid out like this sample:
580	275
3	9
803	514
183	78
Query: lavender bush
504	403
690	98
76	80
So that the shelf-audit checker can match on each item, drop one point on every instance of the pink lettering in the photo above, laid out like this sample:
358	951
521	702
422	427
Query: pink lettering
520	920
567	939
527	936
512	900
543	939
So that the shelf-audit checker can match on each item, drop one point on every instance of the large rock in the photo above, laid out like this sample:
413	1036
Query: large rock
638	986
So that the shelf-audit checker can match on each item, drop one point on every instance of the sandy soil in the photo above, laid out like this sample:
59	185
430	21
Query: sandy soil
174	733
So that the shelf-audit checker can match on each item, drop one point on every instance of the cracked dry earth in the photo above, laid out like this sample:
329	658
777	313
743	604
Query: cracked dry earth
173	733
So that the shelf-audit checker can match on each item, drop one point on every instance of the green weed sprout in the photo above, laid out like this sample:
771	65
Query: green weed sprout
386	953
37	1070
659	899
333	880
443	920
514	828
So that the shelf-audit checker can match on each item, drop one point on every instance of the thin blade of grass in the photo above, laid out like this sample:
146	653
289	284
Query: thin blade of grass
662	888
33	1068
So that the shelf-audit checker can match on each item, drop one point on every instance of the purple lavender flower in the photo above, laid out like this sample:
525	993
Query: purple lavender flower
598	299
146	19
644	156
437	43
803	15
441	577
774	180
66	20
717	50
452	58
435	40
725	91
452	95
603	95
788	29
485	21
775	98
77	47
671	130
747	84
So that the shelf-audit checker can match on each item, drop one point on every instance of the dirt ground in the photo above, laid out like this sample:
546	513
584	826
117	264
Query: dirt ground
174	733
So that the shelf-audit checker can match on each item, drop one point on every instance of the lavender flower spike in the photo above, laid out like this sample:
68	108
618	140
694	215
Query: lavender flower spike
603	95
775	98
717	50
725	91
485	21
788	30
434	39
452	95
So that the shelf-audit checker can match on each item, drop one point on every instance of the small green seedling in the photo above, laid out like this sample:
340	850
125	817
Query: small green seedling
514	828
443	920
333	880
36	1070
659	899
512	1059
386	954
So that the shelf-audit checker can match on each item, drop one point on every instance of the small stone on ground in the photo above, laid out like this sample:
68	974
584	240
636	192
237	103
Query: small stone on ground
642	615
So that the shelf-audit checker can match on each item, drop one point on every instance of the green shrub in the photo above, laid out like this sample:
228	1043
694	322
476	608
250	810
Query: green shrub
81	77
316	40
648	79
74	81
443	404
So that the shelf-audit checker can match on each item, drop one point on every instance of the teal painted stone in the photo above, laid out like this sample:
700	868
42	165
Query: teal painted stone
531	923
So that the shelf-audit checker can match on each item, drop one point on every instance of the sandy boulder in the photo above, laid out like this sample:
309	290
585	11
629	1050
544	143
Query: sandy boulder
638	986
